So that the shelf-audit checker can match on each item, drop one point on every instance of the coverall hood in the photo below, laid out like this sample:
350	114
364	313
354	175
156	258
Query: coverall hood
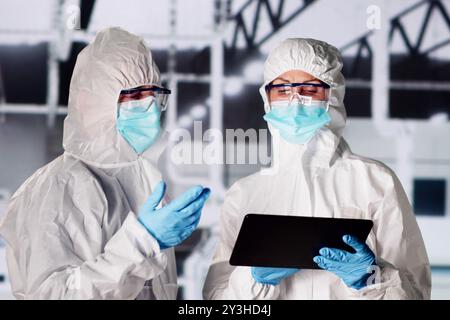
114	61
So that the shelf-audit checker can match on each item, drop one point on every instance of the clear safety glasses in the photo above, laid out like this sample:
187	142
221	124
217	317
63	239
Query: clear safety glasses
307	93
129	99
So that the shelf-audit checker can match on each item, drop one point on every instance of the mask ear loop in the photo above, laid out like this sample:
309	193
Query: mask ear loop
329	99
163	103
328	105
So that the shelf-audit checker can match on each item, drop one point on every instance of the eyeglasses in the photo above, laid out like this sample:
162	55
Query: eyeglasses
287	91
160	94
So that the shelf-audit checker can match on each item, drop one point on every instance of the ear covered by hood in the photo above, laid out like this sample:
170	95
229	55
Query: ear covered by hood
317	58
114	61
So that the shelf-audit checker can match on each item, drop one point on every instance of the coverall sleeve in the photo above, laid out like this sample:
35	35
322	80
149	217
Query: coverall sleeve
404	270
58	255
223	280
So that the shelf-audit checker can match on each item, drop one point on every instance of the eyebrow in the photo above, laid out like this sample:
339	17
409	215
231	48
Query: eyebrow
287	81
130	93
281	79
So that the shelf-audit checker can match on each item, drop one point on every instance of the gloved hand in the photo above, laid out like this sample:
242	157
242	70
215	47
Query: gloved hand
173	223
271	276
352	268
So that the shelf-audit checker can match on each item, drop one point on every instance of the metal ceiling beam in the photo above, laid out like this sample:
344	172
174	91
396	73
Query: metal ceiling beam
275	16
414	47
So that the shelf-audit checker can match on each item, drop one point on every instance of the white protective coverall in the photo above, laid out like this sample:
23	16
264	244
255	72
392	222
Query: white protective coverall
71	228
322	179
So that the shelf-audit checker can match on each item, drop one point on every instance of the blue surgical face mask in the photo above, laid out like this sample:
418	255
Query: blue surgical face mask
298	123
139	123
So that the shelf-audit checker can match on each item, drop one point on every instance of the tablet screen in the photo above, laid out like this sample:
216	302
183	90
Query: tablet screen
292	241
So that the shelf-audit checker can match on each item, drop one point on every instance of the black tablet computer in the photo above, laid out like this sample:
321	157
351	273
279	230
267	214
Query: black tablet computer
292	241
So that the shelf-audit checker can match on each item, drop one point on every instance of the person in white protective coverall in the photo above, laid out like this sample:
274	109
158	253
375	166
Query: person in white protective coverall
90	225
319	176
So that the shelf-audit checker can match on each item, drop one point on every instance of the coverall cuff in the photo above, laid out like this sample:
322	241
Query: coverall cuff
244	286
139	246
143	240
385	283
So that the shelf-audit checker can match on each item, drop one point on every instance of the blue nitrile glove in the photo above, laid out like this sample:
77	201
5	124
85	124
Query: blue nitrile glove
352	268
173	223
271	276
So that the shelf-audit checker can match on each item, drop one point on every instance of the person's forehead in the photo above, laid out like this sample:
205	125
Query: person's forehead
295	76
145	86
